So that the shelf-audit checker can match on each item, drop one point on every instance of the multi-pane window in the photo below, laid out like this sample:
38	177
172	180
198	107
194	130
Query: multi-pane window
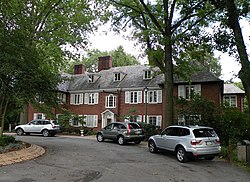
133	97
154	120
91	98
153	96
91	120
117	76
39	116
91	78
147	74
61	98
188	91
134	118
76	99
110	101
230	101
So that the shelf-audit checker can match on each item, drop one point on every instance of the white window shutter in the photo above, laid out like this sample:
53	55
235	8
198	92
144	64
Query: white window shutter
197	89
158	120
96	98
72	98
64	98
159	96
127	97
35	116
86	98
81	99
95	123
181	91
139	118
139	97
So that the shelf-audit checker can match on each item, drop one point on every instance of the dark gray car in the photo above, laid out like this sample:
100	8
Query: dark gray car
121	132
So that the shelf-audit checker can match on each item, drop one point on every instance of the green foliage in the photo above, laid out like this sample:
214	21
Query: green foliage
119	58
233	125
198	110
6	140
149	129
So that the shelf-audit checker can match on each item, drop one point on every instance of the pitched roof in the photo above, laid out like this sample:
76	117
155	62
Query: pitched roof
133	79
232	89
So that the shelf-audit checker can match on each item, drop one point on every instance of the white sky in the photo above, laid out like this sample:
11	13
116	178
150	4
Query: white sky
104	40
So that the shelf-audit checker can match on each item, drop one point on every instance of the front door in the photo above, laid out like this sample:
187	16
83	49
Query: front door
107	117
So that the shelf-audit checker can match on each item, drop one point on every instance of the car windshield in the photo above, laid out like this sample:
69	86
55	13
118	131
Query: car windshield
204	132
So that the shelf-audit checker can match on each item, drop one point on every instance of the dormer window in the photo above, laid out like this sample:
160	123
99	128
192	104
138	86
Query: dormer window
91	78
147	74
117	76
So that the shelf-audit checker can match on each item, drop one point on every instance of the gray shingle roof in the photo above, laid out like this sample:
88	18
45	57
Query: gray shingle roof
232	89
133	79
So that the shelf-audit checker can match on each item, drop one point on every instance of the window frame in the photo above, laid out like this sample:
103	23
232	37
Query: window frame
230	101
108	100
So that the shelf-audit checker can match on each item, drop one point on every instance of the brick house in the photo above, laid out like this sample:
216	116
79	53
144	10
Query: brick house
126	93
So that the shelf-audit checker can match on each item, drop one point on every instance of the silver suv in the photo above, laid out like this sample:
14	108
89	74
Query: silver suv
121	132
187	142
42	126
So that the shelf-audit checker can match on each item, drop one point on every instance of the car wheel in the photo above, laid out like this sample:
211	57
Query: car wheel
45	133
181	155
19	131
152	147
121	140
137	141
209	157
99	137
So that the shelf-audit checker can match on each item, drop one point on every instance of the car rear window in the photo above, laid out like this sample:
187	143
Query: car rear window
134	126
204	132
55	122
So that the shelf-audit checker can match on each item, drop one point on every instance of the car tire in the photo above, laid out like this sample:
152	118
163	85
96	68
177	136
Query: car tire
209	157
19	131
45	133
137	141
99	137
121	140
181	155
152	147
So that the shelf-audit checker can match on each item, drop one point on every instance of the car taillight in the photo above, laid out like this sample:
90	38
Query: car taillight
129	129
217	141
195	142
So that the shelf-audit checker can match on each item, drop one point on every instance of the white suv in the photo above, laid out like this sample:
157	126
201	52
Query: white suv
187	142
42	126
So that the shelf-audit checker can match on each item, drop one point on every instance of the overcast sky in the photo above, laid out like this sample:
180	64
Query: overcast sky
104	40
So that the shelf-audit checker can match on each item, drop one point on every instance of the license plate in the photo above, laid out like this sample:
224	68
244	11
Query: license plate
209	143
138	132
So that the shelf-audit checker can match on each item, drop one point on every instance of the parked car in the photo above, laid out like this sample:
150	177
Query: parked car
41	126
187	142
122	132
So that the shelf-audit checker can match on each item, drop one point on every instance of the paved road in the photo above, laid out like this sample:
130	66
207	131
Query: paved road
75	159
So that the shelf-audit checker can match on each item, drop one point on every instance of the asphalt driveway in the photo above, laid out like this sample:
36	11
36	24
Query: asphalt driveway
81	159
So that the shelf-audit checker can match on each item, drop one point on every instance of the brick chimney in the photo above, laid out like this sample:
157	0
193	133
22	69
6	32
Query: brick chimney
104	63
79	69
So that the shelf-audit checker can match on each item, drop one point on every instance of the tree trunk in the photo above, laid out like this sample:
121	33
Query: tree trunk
4	105
230	150
168	74
244	73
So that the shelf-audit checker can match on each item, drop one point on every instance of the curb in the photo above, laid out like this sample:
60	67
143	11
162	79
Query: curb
29	153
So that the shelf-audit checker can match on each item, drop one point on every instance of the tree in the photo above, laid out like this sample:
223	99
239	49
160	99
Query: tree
119	58
167	29
229	15
33	35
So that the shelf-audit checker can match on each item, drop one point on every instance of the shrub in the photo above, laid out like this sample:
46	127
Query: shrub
149	129
6	140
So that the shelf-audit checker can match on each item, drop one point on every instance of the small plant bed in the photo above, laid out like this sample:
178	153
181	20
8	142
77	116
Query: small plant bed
9	144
